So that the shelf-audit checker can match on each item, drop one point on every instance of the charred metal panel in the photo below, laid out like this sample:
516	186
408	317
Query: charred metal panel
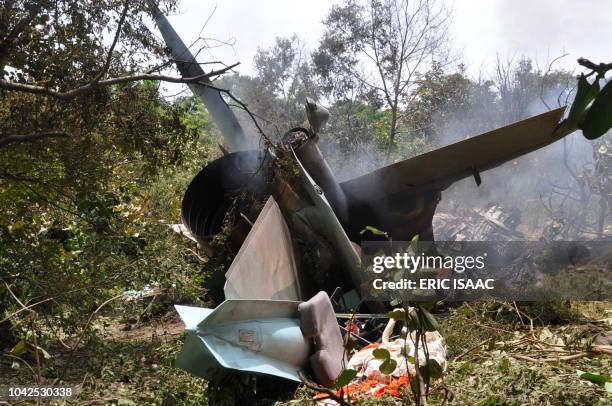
214	190
401	198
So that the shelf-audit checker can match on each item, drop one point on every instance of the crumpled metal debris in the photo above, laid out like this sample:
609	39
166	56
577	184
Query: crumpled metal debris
493	222
265	266
271	337
260	336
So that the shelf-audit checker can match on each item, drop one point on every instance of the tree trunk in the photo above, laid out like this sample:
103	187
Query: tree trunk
392	131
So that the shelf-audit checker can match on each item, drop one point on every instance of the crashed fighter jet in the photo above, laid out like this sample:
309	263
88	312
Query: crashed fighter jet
307	236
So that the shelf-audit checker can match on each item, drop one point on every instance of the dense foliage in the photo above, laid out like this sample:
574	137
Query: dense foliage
85	214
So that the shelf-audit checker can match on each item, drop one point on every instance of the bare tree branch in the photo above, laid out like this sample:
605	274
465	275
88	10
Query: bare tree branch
71	94
243	106
543	81
19	138
112	47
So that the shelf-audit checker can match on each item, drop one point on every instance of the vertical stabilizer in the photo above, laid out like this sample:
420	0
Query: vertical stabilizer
223	116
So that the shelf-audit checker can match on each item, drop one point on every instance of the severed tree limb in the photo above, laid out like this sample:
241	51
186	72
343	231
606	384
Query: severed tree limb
19	138
71	94
29	307
594	350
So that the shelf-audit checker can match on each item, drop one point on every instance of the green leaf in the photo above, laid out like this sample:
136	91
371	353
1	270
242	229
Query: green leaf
397	315
598	119
414	244
432	370
373	230
585	93
19	349
388	366
595	378
44	352
345	378
15	365
381	353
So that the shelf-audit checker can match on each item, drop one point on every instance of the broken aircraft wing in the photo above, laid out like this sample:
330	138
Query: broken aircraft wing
438	169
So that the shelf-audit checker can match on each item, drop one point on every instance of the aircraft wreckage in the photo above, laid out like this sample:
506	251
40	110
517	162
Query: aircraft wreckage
306	238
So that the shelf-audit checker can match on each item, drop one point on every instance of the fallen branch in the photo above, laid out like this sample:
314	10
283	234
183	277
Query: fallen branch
604	349
469	350
9	290
29	307
196	255
522	338
558	359
329	392
595	350
91	316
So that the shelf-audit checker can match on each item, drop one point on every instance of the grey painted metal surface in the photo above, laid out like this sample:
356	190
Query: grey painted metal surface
332	228
261	336
315	163
317	115
265	267
187	65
